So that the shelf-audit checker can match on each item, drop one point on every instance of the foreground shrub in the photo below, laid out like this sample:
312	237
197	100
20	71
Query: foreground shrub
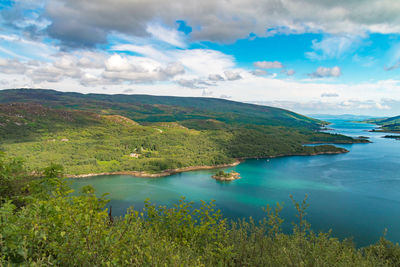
53	227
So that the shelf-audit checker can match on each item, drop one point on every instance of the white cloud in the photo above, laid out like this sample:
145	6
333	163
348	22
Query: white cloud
225	96
93	69
173	69
268	64
232	76
51	73
290	72
207	92
259	72
25	48
91	60
12	66
80	23
89	80
215	77
170	36
145	50
329	95
323	72
139	69
118	63
65	62
202	62
350	106
129	90
193	83
334	47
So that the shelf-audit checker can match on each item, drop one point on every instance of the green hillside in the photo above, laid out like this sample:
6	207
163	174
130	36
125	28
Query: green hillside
391	124
144	108
88	134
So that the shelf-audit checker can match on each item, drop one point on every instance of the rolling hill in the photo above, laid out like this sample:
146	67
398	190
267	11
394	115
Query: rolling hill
147	108
391	124
106	133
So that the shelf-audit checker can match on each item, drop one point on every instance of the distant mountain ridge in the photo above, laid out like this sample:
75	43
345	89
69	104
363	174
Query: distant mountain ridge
351	117
150	108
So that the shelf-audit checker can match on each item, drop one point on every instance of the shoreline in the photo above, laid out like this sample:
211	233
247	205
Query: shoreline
158	174
143	174
379	128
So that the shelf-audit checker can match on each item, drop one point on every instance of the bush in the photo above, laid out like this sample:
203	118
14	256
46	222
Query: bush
54	227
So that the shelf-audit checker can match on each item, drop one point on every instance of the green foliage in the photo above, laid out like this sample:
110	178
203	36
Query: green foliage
221	173
146	108
42	224
89	133
89	143
391	124
57	228
54	170
12	179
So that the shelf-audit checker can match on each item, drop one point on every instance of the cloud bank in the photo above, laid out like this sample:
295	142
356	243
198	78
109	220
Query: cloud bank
81	23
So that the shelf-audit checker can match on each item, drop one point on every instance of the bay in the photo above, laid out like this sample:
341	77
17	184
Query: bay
356	194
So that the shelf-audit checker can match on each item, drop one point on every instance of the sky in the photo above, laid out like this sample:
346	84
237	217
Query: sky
309	56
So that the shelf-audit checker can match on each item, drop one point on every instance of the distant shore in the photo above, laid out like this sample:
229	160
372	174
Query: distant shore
165	173
342	151
380	130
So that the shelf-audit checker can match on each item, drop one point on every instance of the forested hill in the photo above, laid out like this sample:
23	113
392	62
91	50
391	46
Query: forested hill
149	108
102	133
391	124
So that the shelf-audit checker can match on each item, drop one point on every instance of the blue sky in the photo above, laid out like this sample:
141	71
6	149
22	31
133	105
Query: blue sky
310	56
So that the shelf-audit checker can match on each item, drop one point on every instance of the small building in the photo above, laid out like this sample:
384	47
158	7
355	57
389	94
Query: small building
64	140
134	155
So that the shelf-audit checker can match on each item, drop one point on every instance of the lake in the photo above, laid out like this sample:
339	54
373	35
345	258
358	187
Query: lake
356	194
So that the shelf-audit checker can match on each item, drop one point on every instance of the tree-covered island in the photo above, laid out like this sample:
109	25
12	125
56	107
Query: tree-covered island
226	176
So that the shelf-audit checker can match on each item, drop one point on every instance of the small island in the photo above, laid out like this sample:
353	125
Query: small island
226	176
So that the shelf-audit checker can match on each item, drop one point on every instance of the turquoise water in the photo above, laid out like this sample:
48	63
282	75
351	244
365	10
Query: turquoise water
356	194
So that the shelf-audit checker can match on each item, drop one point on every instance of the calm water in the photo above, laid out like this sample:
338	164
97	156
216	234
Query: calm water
356	194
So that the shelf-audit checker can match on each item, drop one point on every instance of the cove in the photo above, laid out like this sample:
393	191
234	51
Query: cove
356	194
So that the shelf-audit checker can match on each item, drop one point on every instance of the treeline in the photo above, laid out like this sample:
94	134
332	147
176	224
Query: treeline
42	224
